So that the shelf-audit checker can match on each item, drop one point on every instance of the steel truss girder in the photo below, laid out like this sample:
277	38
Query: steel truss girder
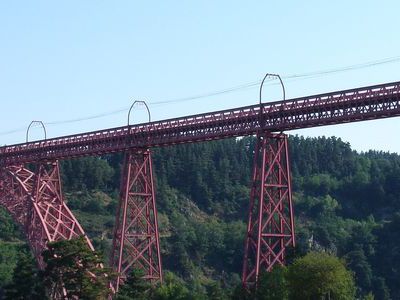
270	228
35	201
136	238
367	103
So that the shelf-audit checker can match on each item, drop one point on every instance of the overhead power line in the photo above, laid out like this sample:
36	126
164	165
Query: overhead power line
253	84
290	78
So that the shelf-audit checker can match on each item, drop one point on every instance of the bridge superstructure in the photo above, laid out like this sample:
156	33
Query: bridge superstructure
34	196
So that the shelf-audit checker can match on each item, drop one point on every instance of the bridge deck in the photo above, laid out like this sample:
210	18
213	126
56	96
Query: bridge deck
367	103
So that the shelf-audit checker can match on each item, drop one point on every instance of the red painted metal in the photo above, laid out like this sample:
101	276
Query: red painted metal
16	185
136	239
368	103
35	201
271	222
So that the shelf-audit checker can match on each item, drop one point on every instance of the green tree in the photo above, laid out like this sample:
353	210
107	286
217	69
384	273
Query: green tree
380	289
171	289
240	293
8	230
369	296
273	285
72	265
135	287
388	255
26	283
320	276
361	268
215	292
8	261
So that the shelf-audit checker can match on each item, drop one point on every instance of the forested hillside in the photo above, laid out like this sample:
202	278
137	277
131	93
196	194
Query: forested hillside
346	203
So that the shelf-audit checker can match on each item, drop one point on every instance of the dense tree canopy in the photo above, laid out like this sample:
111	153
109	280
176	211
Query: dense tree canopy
319	275
273	285
26	282
73	266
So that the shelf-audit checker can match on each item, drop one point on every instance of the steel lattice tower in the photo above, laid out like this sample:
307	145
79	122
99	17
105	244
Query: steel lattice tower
35	201
271	223
136	240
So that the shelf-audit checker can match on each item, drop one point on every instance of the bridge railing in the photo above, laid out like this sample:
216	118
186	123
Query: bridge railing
277	112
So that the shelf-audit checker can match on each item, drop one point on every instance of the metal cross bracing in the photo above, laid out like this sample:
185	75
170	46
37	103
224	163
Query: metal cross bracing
136	240
35	201
368	103
270	229
34	197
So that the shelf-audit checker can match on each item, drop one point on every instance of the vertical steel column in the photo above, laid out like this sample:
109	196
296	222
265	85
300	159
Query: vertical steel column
271	222
136	239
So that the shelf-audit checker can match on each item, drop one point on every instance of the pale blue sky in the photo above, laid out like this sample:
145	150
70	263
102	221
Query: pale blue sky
64	60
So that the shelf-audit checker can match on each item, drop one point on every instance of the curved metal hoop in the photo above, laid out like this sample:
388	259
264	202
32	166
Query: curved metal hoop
276	76
29	127
141	102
